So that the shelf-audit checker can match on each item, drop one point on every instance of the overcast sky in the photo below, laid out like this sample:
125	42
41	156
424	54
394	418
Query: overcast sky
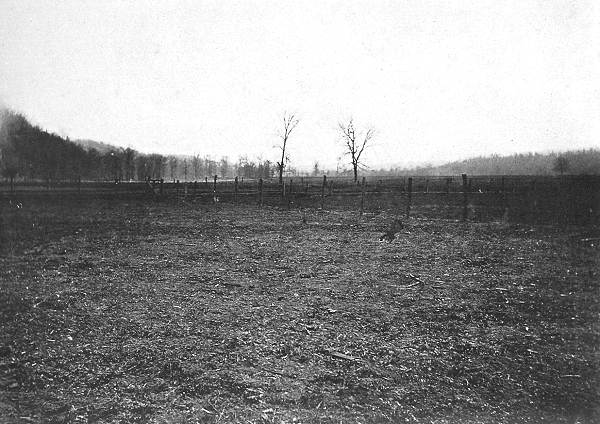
438	80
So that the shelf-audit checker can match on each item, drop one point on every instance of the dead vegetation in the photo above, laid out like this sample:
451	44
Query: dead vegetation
147	312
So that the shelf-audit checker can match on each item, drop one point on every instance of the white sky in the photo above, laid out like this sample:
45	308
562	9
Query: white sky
438	80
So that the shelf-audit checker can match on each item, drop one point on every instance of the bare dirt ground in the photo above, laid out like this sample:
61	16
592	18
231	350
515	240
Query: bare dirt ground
143	312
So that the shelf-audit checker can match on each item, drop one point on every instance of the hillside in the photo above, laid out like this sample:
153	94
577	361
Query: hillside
570	162
28	152
96	145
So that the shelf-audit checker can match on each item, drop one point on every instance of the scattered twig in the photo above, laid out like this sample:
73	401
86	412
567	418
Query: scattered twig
410	285
340	355
236	285
414	277
417	283
49	297
282	374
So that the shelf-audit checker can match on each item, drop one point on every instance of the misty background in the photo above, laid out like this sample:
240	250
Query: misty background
437	81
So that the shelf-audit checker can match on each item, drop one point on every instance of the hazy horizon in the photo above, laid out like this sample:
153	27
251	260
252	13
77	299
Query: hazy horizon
437	81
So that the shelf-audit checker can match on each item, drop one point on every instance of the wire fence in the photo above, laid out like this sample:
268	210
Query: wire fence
524	199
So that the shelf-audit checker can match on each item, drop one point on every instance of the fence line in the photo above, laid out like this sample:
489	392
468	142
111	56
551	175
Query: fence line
526	198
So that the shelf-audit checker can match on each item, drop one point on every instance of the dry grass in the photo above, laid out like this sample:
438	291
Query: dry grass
149	312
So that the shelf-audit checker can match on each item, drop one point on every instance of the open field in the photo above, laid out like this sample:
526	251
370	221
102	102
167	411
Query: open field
137	311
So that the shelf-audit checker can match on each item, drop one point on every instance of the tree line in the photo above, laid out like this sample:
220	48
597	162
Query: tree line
575	162
30	153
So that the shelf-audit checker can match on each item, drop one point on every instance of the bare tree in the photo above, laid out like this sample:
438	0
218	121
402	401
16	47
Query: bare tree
224	166
128	163
185	169
158	165
355	144
173	167
561	164
196	166
289	123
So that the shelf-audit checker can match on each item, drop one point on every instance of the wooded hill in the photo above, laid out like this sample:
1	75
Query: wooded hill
28	153
575	162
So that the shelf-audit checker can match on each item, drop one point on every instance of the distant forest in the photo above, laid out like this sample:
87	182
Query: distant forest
576	162
28	153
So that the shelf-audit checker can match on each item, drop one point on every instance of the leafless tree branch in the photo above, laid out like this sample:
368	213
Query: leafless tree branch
289	123
352	147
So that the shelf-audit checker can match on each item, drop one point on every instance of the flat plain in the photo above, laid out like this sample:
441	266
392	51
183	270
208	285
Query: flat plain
141	311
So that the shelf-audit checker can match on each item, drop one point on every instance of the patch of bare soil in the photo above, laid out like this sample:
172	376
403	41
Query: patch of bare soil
163	313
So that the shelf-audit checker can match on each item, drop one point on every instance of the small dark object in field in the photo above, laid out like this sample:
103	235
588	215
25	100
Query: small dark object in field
339	355
303	216
390	234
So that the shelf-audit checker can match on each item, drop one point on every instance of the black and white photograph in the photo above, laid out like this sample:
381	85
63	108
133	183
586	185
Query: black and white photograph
300	211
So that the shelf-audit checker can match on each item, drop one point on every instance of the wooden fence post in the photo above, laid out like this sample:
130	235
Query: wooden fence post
465	212
503	194
162	181
235	191
409	200
323	191
260	192
290	193
362	196
448	199
215	189
177	190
